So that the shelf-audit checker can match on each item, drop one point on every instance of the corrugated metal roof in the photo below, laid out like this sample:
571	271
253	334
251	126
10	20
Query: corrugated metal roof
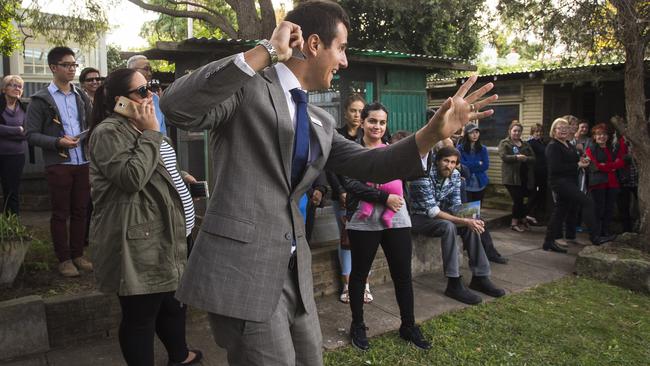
351	50
541	70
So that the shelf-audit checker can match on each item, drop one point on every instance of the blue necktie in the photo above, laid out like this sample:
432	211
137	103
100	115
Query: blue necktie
301	137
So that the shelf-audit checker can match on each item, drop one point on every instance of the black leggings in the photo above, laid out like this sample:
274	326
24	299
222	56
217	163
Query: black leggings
567	196
142	315
11	169
475	196
397	247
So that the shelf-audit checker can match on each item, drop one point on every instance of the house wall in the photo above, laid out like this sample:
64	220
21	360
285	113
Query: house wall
521	99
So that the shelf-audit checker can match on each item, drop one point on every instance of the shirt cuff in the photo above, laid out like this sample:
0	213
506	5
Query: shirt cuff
433	212
423	160
243	66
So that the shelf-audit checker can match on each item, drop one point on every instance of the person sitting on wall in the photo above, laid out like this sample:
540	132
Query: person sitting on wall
432	200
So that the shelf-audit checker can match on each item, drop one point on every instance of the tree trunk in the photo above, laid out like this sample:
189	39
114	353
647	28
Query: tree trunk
637	130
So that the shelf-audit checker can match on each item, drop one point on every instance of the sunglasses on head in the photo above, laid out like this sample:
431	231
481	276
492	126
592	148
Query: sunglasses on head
142	91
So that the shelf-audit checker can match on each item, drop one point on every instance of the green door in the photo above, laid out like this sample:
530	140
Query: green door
403	92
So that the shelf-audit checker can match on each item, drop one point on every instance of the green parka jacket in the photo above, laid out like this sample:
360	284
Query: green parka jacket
510	169
137	231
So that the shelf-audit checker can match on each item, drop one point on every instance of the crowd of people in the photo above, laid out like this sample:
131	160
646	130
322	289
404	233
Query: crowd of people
115	184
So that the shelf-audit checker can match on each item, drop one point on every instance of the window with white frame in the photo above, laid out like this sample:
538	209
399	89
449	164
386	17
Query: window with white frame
35	61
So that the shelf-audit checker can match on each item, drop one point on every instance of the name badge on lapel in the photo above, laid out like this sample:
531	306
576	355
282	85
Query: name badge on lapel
315	121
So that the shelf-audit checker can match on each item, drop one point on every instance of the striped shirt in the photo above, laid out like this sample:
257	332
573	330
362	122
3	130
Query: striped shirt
169	159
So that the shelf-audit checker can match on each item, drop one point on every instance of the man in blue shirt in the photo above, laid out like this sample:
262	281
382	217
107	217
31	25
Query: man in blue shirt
141	64
56	117
433	199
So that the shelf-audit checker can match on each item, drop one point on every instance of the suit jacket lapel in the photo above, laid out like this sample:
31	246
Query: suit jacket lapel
315	166
284	123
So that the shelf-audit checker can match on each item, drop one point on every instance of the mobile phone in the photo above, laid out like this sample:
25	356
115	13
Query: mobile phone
82	135
125	107
199	189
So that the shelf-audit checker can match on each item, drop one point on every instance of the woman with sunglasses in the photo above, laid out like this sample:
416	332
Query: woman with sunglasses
90	81
12	141
142	219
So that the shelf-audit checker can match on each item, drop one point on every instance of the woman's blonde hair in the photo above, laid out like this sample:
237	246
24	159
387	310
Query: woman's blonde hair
11	78
558	121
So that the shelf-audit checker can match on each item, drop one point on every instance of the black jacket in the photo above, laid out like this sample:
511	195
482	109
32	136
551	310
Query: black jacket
562	163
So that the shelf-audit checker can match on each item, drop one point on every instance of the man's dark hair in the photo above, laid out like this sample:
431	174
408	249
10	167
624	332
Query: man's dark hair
117	84
85	72
320	17
447	151
57	53
374	106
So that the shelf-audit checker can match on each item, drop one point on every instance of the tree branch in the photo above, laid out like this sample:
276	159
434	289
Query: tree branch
216	20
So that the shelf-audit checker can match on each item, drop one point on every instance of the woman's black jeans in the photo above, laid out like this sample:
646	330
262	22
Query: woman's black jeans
605	201
567	195
518	193
144	315
397	247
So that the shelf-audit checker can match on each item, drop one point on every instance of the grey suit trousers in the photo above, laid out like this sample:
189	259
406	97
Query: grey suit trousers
446	230
291	337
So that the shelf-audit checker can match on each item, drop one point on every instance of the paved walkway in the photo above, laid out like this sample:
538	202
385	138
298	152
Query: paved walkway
528	267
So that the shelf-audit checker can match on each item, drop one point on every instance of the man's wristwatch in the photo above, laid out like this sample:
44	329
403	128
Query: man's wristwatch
270	49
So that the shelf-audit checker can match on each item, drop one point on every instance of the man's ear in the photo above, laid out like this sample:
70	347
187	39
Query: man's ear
52	68
312	44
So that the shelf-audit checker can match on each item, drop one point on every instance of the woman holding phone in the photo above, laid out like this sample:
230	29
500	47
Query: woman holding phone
142	219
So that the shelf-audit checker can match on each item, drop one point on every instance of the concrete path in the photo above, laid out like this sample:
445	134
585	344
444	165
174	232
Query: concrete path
528	267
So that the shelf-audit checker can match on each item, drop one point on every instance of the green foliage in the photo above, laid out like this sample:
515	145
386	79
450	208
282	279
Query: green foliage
576	31
8	32
87	20
435	27
169	28
39	257
570	322
11	229
113	58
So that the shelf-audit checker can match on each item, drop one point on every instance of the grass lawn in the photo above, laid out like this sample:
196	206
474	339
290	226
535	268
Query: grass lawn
574	321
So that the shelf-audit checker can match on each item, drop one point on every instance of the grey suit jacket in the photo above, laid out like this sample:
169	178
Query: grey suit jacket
239	262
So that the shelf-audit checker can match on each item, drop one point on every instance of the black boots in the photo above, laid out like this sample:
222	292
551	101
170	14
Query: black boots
484	285
553	247
457	291
599	240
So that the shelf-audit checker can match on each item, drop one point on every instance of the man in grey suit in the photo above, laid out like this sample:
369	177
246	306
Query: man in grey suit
251	267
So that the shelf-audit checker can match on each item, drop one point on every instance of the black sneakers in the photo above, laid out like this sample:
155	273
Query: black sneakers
484	285
358	336
412	334
457	291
